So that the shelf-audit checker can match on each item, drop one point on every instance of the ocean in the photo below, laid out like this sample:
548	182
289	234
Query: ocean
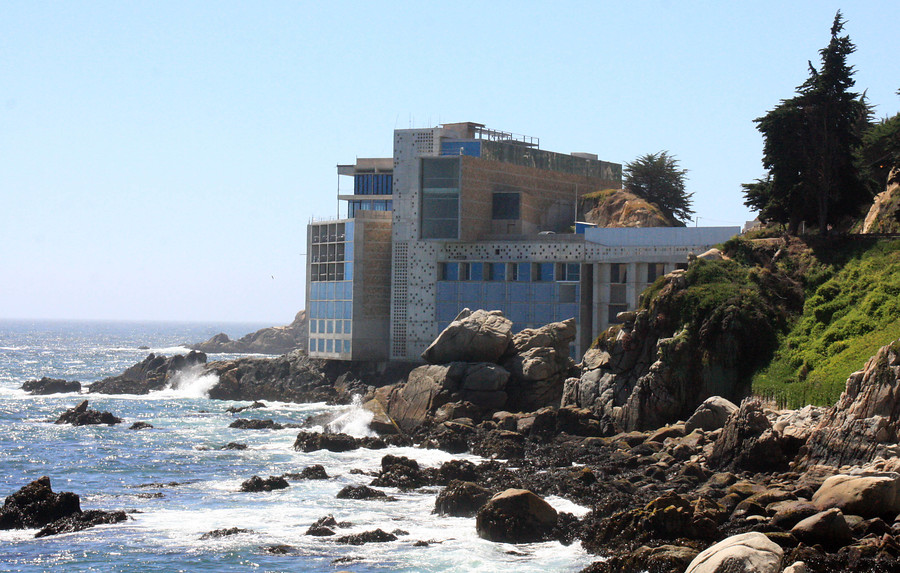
177	483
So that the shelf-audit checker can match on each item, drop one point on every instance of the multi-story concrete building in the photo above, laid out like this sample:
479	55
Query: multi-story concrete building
464	216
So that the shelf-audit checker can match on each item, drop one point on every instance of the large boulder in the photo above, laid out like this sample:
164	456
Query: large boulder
479	336
865	422
745	553
710	415
865	495
427	389
828	528
516	516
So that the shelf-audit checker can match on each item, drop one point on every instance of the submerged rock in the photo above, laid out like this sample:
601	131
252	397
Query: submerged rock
376	536
245	424
256	483
224	532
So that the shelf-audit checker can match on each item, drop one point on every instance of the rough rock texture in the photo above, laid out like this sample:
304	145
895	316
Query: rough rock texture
749	442
828	528
479	336
748	552
223	532
80	521
257	483
293	377
516	516
665	359
621	208
361	492
36	505
80	415
376	536
313	441
867	495
461	499
248	424
273	340
865	422
535	364
884	215
46	386
710	415
152	373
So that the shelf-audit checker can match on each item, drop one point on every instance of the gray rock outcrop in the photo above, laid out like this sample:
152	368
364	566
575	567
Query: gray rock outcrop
272	340
491	370
479	336
865	422
745	552
293	377
153	373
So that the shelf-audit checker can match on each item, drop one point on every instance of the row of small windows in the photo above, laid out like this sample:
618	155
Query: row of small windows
330	309
331	290
355	206
331	232
329	345
373	184
331	272
520	272
330	252
493	293
331	327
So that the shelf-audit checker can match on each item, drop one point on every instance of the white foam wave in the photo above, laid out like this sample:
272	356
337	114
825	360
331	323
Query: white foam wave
192	382
354	421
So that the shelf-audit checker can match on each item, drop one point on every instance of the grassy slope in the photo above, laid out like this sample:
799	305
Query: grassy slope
852	308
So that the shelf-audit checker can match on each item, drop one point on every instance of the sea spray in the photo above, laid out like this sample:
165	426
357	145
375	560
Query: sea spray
354	420
193	382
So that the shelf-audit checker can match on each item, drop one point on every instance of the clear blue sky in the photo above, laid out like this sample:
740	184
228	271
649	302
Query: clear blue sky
160	160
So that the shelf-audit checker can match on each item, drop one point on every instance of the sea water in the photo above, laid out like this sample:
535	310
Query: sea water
177	484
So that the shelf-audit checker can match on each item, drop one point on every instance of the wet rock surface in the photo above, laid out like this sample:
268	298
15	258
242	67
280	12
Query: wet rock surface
46	386
256	483
36	505
155	372
80	415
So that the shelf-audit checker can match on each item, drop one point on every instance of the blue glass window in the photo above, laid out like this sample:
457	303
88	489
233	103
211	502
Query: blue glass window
546	271
470	293
476	272
566	311
519	292
348	271
338	326
329	327
495	292
348	327
543	313
348	231
497	272
447	291
312	326
329	345
347	347
543	292
329	291
321	345
523	273
348	309
348	251
321	326
447	311
449	271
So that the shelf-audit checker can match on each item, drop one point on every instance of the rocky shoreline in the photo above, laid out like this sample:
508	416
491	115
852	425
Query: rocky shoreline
705	485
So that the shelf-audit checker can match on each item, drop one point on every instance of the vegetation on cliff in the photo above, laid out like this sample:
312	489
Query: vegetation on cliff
851	309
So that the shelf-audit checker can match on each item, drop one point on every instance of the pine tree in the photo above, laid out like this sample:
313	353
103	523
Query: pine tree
810	141
658	178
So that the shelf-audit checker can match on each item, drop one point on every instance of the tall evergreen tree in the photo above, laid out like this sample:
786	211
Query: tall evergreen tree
658	178
810	142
